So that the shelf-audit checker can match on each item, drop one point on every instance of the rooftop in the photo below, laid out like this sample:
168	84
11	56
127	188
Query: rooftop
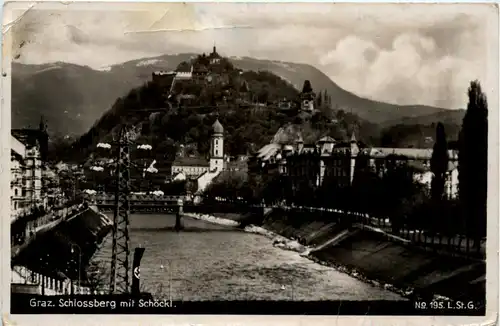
326	139
410	153
288	135
190	161
184	68
217	127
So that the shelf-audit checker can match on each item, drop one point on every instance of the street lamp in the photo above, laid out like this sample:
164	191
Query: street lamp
79	259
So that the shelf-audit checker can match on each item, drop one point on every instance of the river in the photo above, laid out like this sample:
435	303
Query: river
213	262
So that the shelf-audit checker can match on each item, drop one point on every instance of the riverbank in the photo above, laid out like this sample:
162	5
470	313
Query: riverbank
292	244
369	255
278	240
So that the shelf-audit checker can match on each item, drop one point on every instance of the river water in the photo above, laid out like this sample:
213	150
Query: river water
213	262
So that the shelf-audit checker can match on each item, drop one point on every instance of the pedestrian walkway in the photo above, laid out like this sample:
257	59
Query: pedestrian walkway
33	228
455	243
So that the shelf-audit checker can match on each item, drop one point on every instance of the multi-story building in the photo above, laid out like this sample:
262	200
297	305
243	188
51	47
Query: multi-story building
189	167
33	174
28	151
18	202
338	162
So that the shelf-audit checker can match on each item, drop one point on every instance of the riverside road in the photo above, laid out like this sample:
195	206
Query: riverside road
212	262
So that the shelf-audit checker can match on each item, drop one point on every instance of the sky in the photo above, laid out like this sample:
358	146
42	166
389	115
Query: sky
402	54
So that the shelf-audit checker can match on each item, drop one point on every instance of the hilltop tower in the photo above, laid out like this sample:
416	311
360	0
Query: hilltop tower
214	56
307	97
217	147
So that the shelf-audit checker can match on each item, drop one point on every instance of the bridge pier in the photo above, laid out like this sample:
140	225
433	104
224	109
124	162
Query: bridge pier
178	217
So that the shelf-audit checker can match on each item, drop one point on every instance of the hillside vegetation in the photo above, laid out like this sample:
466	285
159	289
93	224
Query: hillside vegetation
73	97
251	115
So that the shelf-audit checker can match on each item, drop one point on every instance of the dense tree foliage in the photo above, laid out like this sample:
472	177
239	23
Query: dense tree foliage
439	164
250	116
473	162
416	136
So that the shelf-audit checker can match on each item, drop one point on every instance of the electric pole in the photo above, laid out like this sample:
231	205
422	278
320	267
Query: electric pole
120	281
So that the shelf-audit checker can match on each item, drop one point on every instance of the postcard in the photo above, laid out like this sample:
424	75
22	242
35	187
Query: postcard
250	163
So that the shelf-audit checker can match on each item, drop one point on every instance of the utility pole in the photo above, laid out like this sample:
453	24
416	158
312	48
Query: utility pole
120	282
119	278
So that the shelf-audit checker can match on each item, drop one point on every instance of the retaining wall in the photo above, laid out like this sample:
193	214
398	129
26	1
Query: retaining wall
382	258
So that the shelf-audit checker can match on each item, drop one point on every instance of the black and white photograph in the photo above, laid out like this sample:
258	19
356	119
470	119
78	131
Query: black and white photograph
252	158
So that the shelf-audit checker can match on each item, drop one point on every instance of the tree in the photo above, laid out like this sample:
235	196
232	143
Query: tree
398	188
319	100
439	164
473	163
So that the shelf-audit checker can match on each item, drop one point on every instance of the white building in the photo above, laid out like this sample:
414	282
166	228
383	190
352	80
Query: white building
33	174
217	147
17	182
189	167
26	176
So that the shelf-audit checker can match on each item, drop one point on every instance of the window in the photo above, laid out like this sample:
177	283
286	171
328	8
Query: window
216	152
216	142
15	192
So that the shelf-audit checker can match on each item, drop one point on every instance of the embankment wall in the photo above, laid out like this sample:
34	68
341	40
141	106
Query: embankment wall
71	242
375	256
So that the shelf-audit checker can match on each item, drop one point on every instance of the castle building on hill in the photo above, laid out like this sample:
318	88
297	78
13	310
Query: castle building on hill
214	57
185	71
203	69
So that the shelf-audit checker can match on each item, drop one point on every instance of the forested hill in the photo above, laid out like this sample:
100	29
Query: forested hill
72	97
251	105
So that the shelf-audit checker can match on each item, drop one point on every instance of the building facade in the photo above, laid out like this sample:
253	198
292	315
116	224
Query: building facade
26	172
190	167
338	162
18	201
194	167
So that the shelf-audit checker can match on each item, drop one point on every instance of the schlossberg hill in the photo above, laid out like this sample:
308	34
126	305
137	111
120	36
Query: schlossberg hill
251	105
72	97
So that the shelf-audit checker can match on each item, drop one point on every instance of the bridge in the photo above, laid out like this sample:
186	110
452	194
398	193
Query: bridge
139	202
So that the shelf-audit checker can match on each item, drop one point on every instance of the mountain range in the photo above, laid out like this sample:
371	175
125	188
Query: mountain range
72	97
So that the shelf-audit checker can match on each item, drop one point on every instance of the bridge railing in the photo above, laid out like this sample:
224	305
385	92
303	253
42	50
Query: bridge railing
104	198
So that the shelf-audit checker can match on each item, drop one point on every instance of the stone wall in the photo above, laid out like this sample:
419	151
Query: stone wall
382	258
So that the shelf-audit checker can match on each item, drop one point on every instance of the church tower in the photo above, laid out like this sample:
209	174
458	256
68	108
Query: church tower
217	147
354	154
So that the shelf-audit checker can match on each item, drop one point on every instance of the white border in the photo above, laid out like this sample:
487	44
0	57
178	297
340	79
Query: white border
5	120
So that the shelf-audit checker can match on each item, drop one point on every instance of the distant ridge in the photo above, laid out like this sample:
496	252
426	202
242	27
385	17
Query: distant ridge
73	97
